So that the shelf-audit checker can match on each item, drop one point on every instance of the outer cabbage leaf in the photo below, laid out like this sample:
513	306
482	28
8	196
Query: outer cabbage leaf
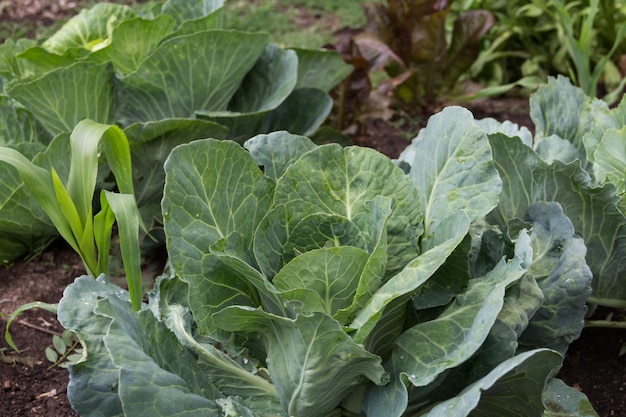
17	125
321	69
214	198
184	10
213	188
90	27
561	271
558	108
277	150
453	169
11	66
593	211
183	74
136	366
427	349
301	113
313	362
610	160
490	126
151	143
561	400
268	83
512	389
132	41
63	97
24	224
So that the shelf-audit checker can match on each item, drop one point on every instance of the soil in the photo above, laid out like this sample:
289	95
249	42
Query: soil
27	386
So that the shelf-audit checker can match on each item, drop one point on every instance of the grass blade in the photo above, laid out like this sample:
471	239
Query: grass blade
127	215
102	228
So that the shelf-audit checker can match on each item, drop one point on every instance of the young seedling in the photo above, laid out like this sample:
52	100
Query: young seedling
70	207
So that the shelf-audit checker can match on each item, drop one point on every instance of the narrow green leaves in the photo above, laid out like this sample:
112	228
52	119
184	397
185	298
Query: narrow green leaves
70	208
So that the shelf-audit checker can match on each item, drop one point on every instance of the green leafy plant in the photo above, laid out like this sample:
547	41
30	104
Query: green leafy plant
323	281
580	39
166	74
65	350
70	209
580	45
576	159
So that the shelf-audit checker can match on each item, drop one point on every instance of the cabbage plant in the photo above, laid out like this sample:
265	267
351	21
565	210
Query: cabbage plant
576	158
167	74
314	280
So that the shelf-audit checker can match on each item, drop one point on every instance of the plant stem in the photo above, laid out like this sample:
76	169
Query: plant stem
606	324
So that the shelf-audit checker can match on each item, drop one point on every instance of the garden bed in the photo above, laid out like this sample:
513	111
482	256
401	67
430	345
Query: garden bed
30	387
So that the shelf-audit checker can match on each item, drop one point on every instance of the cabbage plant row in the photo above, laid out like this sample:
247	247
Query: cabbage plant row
167	73
324	281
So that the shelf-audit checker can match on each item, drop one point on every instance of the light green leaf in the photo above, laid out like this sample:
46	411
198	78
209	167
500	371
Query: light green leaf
321	230
276	151
603	119
553	147
313	362
62	98
374	271
323	280
102	230
512	389
453	169
132	40
344	180
490	126
321	69
273	232
268	83
89	28
209	67
52	308
212	189
183	10
428	349
127	217
408	281
610	158
558	108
